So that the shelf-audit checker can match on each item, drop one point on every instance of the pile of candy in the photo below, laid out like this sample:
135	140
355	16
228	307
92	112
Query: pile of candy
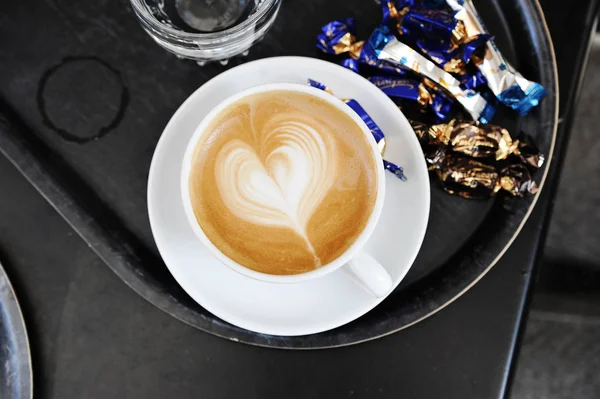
477	160
438	63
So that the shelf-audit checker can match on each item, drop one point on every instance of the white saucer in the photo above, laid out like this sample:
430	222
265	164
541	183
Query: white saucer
287	309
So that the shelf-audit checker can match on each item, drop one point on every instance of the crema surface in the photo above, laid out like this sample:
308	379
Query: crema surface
283	182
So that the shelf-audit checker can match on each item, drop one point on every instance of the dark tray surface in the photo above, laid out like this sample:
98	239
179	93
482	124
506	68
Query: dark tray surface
86	326
135	90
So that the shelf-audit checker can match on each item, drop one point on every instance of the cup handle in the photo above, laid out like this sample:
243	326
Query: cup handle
369	274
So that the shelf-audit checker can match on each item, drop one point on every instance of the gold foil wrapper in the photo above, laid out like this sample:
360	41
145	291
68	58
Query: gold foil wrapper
470	178
528	152
455	66
482	141
424	96
467	177
348	44
459	34
478	140
516	180
476	160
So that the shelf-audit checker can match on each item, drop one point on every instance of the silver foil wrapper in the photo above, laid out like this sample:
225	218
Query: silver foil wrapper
400	53
507	84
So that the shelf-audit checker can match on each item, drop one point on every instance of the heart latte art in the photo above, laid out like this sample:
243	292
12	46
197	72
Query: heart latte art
283	182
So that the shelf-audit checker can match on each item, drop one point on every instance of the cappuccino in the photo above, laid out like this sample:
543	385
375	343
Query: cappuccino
283	182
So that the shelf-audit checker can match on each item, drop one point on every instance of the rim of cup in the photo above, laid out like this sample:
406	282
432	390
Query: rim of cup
274	278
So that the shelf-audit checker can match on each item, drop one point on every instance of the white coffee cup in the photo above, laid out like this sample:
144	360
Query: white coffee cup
363	268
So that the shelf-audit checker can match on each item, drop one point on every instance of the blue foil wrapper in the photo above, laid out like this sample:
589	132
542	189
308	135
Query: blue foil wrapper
368	57
488	114
395	169
441	105
431	29
445	43
413	90
388	48
351	64
473	81
456	58
401	88
442	38
375	130
373	127
521	100
508	85
338	37
318	85
470	45
421	22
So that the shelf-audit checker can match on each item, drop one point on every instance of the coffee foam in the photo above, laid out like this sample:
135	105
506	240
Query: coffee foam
283	182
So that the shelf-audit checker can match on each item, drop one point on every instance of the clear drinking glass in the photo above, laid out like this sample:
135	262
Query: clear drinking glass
206	30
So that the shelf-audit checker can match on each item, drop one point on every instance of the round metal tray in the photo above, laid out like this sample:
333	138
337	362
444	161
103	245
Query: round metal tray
465	238
15	373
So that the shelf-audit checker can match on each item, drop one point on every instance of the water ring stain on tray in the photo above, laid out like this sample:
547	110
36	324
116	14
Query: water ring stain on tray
82	98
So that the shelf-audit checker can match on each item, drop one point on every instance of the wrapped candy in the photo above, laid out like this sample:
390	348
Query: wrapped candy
441	37
457	44
422	23
466	177
482	141
528	152
476	161
427	58
471	178
516	180
388	48
478	140
508	85
403	88
337	37
425	95
373	127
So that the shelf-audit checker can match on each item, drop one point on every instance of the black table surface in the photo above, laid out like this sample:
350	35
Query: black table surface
93	337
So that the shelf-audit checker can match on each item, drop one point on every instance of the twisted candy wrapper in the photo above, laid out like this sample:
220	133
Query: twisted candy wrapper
337	37
470	178
476	160
388	48
508	85
478	140
440	36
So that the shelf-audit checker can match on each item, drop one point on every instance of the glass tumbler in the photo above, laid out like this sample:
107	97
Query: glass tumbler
206	30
